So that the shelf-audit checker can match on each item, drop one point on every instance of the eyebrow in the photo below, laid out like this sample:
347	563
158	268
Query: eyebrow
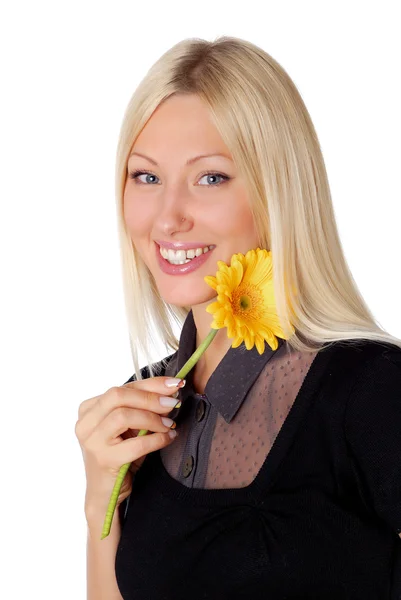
190	161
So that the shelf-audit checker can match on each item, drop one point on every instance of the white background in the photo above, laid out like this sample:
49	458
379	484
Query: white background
67	73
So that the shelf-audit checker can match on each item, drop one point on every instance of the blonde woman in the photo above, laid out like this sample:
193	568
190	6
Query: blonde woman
285	478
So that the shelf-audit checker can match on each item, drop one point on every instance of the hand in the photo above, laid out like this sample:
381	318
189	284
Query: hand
107	429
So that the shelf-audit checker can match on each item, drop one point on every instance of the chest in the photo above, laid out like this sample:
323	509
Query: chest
199	380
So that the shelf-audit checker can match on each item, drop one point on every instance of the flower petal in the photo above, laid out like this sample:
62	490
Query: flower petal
223	267
237	342
249	341
215	325
259	268
260	344
220	314
212	281
222	278
213	307
231	329
236	273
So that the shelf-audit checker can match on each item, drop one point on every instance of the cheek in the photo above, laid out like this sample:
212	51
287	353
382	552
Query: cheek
236	220
137	219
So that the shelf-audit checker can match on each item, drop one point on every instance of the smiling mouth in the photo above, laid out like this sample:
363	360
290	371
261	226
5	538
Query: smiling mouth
182	257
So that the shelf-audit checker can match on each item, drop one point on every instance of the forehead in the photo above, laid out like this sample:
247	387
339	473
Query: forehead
181	124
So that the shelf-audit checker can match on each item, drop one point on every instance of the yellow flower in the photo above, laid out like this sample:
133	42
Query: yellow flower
245	300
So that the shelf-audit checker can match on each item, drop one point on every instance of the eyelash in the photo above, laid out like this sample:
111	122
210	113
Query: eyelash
135	174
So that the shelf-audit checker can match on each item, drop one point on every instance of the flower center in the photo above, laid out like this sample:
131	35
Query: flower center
248	302
245	302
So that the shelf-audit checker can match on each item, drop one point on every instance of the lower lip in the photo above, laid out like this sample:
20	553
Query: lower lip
194	264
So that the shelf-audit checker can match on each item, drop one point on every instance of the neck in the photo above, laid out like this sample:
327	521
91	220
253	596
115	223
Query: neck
219	346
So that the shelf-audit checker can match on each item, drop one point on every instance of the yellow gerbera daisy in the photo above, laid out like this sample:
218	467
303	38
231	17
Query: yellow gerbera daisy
245	300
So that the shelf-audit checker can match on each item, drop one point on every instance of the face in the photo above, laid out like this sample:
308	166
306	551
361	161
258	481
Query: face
208	193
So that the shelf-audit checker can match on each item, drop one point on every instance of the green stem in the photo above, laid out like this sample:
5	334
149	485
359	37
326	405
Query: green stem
191	362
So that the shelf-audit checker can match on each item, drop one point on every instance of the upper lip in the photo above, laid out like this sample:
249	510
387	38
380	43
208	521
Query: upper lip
181	245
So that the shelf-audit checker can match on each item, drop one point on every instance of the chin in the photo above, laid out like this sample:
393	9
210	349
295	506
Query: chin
187	301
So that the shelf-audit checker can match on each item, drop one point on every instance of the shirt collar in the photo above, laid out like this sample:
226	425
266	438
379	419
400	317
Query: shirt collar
229	384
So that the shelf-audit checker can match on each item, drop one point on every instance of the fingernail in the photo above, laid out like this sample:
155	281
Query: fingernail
167	401
172	433
175	382
169	422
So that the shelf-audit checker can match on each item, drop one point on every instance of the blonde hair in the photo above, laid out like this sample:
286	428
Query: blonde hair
263	120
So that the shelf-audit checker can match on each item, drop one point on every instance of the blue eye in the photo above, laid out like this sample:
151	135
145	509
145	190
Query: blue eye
214	174
136	174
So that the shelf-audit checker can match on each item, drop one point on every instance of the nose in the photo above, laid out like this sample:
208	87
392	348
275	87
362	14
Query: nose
173	214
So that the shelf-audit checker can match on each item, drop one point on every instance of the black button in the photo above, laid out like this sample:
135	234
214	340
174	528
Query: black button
188	466
200	410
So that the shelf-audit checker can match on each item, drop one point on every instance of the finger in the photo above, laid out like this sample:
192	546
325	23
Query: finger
144	394
132	449
142	384
164	382
91	402
121	419
87	405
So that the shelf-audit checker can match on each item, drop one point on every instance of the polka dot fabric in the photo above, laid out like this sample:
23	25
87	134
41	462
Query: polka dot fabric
230	455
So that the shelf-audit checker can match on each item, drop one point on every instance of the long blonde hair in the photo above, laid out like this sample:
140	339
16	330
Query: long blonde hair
263	120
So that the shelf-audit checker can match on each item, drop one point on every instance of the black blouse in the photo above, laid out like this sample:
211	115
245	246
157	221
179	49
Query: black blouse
292	490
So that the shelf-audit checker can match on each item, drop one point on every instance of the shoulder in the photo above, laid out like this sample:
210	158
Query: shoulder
376	389
379	362
367	356
161	368
372	370
347	364
367	348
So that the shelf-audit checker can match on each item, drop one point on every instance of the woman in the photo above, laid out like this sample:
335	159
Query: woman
285	478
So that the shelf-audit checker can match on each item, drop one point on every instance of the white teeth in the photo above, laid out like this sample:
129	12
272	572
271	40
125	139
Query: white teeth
181	256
